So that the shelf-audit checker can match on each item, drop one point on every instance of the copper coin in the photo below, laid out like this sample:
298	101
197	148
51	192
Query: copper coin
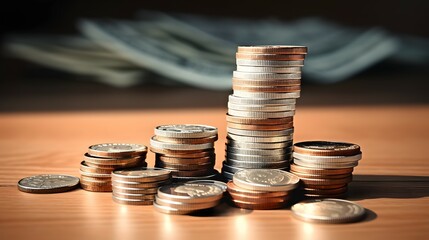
258	206
185	167
131	201
183	153
187	140
96	188
232	188
124	184
112	161
134	190
253	199
273	49
316	171
194	173
263	56
85	168
325	191
258	121
313	176
259	127
95	179
117	150
325	148
138	162
95	182
308	181
265	83
95	175
282	89
173	160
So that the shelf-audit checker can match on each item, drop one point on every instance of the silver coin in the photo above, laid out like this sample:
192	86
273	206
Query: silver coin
260	133
185	131
269	63
179	146
268	69
265	83
266	180
190	192
328	211
252	165
249	114
246	75
234	169
256	101
259	152
116	149
311	164
239	138
261	108
265	95
258	158
328	159
247	145
96	175
48	183
217	183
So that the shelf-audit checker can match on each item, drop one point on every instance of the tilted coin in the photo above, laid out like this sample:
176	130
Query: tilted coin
273	49
248	114
141	175
211	182
266	95
185	131
265	180
256	121
260	133
328	211
48	183
261	108
325	148
248	139
265	83
117	150
269	89
259	101
246	75
178	146
269	63
269	69
267	56
190	192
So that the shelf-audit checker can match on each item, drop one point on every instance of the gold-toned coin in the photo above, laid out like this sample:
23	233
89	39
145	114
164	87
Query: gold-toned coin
96	187
258	121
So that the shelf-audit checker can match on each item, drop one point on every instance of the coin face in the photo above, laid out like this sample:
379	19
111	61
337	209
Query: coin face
265	179
326	148
210	182
190	192
328	211
185	131
48	183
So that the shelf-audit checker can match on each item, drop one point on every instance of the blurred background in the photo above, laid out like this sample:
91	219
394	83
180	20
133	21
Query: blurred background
102	55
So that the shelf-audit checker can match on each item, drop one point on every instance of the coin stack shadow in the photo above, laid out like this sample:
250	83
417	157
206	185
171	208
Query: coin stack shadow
261	108
98	164
188	154
185	198
138	186
248	194
325	173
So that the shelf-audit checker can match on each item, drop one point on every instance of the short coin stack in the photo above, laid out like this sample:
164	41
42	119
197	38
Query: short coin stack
186	150
185	198
325	168
261	109
138	186
102	159
262	189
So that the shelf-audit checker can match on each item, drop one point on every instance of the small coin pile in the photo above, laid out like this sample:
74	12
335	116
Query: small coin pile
261	109
186	150
325	168
102	159
185	198
262	189
138	186
328	211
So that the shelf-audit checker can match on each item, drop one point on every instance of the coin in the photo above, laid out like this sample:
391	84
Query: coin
325	148
261	108
119	189
186	206
257	199
325	191
251	145
191	173
131	201
95	175
265	180
258	152
112	161
254	114
259	127
268	89
85	168
253	158
133	196
220	184
256	164
183	153
96	188
178	146
265	83
126	184
185	167
265	76
266	56
187	140
328	211
260	133
48	183
232	188
266	95
312	181
173	160
268	69
117	150
314	176
258	101
185	131
324	165
141	175
170	210
273	49
190	192
269	63
307	170
258	121
328	159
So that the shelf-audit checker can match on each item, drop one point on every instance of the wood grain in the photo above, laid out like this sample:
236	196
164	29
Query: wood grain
392	180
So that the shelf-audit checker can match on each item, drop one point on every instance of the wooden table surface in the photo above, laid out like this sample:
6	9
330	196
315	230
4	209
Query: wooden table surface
391	181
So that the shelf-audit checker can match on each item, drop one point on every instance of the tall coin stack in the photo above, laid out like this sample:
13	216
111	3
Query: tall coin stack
261	109
262	189
102	159
138	186
186	150
325	168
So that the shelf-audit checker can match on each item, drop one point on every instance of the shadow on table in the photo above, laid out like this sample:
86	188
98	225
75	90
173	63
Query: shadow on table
388	186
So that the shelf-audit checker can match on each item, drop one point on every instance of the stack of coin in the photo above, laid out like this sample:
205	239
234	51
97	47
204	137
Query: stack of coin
138	186
262	189
261	109
325	168
186	150
102	159
185	198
